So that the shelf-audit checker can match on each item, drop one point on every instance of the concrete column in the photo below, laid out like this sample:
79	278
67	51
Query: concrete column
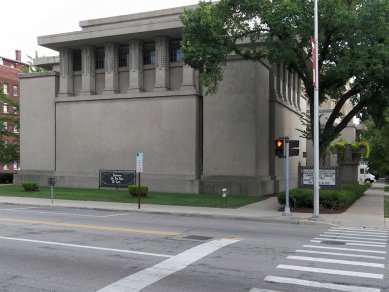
135	66
66	85
279	81
111	67
88	66
162	81
187	77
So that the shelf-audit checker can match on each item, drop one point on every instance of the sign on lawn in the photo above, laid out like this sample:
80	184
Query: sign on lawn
116	178
328	178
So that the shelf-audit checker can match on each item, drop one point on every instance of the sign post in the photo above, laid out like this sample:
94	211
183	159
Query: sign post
224	194
139	169
287	206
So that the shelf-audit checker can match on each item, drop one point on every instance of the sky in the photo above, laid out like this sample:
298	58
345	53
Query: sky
23	21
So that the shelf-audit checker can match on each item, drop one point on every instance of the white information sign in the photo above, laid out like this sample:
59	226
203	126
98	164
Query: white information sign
139	162
327	177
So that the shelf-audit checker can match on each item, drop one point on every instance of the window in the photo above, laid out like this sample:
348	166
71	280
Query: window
5	108
15	165
15	110
77	60
100	58
5	88
16	130
149	54
15	91
5	167
123	57
175	51
5	126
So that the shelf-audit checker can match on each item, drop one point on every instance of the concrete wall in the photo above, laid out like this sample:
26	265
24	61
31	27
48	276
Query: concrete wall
37	123
236	123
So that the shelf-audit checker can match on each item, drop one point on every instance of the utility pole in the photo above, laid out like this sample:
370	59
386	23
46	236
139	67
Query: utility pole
316	118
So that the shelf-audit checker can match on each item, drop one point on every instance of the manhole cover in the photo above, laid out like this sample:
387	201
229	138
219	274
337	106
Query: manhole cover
333	242
197	237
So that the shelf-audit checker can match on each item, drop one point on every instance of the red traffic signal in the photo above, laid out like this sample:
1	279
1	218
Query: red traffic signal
279	147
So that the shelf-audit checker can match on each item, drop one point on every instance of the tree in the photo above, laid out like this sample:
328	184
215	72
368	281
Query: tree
30	67
378	139
353	50
9	152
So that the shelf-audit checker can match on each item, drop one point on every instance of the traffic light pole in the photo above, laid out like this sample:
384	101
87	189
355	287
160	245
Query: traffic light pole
287	207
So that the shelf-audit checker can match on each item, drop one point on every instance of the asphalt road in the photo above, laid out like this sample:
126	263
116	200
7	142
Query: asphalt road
63	249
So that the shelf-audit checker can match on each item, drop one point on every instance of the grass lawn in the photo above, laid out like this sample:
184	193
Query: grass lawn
387	189
122	196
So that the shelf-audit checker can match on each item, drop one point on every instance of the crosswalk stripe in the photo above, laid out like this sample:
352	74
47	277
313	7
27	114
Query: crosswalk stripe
354	233
331	271
351	243
352	237
350	240
360	230
340	254
345	248
333	261
315	284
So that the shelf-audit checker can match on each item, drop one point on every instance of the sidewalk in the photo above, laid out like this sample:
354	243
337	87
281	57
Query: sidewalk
366	212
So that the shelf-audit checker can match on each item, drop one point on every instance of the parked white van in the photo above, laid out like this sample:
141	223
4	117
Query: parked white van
364	175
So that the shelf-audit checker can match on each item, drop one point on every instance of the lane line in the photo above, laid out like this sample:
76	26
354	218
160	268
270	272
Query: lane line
360	230
354	233
85	246
339	254
315	284
95	227
348	240
149	276
333	261
353	237
16	209
350	243
331	271
67	214
345	248
263	290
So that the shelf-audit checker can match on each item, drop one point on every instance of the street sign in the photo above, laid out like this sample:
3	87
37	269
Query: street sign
139	162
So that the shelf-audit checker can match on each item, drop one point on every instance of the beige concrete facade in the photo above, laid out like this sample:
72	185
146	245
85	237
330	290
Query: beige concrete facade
89	113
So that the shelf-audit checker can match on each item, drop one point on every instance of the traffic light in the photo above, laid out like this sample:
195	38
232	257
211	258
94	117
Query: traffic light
293	147
280	148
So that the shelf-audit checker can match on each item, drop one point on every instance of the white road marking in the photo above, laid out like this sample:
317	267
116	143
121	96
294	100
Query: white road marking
350	240
63	213
314	284
355	233
331	271
366	230
340	254
333	261
86	247
353	237
263	290
345	248
16	209
149	276
350	243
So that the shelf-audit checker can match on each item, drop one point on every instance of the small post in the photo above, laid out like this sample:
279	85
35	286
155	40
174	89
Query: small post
224	193
287	207
51	183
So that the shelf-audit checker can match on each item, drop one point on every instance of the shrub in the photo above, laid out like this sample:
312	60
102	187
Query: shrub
30	186
329	199
6	178
135	190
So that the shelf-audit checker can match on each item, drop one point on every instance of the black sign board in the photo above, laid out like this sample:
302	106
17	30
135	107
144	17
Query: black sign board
116	178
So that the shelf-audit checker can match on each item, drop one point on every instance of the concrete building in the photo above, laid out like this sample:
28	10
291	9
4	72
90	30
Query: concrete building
121	87
9	83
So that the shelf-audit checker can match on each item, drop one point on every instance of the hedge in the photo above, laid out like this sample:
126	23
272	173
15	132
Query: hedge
134	190
30	186
329	199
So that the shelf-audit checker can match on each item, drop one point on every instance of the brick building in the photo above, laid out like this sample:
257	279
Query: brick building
9	80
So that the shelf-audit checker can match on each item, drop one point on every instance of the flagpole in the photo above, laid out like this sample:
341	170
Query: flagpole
316	120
